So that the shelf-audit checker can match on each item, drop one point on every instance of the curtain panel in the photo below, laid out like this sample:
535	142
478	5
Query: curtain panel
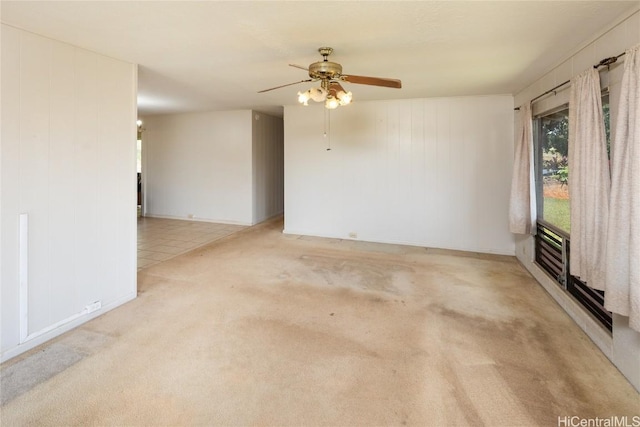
522	203
589	180
622	280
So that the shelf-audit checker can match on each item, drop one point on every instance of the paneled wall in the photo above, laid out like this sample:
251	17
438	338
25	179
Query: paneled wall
268	166
427	172
198	166
221	166
68	170
623	348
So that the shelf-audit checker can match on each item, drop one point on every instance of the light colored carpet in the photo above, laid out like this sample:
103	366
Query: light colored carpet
261	328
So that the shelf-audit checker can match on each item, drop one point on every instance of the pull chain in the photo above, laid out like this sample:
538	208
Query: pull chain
327	127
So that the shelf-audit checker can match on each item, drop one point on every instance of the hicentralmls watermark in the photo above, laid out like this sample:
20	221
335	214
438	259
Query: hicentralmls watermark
613	421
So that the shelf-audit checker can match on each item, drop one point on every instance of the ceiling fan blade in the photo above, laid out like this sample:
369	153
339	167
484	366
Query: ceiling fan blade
299	66
288	84
337	86
373	81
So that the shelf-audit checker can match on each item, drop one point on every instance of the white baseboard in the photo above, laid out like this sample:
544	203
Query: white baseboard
216	221
74	322
399	242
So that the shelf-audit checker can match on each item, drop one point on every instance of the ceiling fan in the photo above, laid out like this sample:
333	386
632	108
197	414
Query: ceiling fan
330	75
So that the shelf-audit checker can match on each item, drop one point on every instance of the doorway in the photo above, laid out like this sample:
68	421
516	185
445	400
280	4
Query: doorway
139	168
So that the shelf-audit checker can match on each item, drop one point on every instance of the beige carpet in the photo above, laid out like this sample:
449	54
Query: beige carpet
261	328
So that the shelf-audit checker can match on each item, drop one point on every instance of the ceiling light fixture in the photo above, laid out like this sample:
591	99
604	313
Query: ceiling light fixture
331	103
331	93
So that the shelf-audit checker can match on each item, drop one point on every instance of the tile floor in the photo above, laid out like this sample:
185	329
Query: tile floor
162	239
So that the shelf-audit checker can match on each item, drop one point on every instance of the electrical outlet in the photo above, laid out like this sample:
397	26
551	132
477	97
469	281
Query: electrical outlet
353	235
93	307
190	216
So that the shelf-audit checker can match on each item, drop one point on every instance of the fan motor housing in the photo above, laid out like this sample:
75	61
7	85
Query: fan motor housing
325	70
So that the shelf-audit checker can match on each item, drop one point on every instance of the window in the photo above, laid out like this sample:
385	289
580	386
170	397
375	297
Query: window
553	168
551	135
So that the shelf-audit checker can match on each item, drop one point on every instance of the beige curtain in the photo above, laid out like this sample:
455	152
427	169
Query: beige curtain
522	206
622	284
589	180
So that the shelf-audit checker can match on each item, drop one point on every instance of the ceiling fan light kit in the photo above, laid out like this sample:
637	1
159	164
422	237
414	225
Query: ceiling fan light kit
330	75
332	97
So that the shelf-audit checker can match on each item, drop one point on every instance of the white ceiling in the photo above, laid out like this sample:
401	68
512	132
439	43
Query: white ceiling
211	55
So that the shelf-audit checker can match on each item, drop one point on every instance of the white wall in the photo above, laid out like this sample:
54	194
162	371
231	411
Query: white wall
623	347
68	161
428	172
199	166
268	166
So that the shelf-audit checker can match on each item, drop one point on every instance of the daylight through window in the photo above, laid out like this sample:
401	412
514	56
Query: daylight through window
553	168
